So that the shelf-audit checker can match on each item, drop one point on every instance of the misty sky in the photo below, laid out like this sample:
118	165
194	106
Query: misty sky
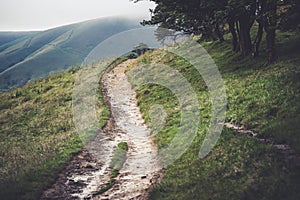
20	15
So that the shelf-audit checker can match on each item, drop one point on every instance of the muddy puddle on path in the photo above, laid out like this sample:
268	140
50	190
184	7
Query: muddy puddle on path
89	171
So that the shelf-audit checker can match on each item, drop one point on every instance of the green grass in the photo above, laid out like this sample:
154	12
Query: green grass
118	159
263	99
37	136
80	39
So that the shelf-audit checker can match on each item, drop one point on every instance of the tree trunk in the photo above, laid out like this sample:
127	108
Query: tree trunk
270	28
258	39
244	35
271	46
235	44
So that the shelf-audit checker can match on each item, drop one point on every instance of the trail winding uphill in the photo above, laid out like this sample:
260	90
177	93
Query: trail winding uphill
141	168
87	174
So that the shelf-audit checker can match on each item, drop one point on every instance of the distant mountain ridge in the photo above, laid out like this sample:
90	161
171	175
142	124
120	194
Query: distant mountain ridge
30	55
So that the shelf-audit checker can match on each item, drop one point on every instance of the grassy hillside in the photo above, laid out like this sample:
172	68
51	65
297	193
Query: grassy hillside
9	38
18	51
37	135
263	99
40	53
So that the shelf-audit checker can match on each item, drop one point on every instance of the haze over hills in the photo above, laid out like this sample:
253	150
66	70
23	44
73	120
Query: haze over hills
7	37
30	55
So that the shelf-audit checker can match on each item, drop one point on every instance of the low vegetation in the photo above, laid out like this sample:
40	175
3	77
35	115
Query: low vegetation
116	164
118	159
262	99
39	54
37	136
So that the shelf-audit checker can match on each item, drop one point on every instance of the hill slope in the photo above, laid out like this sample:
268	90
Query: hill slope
37	129
37	54
262	99
8	38
38	136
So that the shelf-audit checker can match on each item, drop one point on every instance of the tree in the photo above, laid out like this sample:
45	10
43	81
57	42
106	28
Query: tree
192	17
209	17
240	18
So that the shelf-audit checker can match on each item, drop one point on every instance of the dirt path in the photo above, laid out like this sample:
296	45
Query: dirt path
141	168
87	174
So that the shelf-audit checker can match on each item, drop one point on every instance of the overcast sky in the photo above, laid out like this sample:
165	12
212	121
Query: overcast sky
20	15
